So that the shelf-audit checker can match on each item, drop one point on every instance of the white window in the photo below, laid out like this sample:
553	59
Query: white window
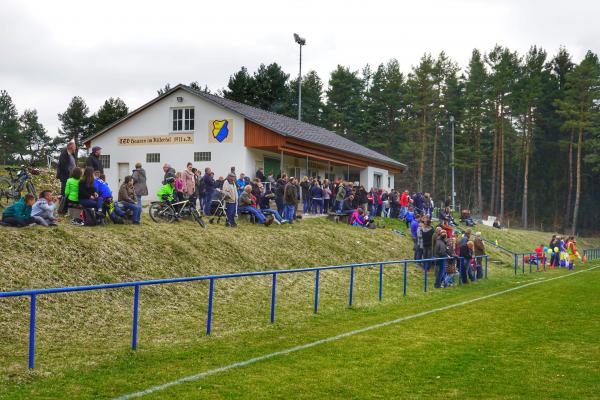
105	161
295	172
389	181
183	119
202	156
377	180
152	157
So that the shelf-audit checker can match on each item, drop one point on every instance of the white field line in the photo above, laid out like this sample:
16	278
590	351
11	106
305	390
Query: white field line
238	364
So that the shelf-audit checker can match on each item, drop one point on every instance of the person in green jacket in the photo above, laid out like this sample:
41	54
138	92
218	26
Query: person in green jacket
19	213
72	185
166	191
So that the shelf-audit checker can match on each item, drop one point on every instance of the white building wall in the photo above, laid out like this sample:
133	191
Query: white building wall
368	175
157	120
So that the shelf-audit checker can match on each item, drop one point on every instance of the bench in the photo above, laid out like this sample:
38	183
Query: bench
74	211
337	217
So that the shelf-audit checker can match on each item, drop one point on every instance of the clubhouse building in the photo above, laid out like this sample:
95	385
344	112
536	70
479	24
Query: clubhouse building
184	125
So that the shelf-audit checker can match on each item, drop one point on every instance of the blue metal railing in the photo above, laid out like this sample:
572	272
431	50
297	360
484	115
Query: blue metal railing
592	254
426	263
499	247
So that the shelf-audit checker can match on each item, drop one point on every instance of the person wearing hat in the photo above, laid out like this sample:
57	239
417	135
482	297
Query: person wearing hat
231	197
139	183
94	159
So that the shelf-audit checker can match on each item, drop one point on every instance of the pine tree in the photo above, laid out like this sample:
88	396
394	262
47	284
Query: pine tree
560	66
312	98
75	122
476	89
11	142
422	96
38	145
164	89
529	93
580	108
385	108
504	69
270	88
112	110
240	87
343	111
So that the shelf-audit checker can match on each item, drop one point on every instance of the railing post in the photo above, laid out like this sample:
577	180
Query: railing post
404	281
460	266
136	302
530	264
516	263
425	279
273	286
444	277
211	289
351	286
32	331
317	291
522	263
380	281
486	266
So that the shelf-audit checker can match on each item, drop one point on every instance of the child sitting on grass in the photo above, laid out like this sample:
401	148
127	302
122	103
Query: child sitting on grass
43	209
19	213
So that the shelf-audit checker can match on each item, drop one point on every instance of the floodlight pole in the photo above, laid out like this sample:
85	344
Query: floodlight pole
300	86
301	42
453	190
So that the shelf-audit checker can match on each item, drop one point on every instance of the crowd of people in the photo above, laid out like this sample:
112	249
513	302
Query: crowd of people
558	253
454	254
267	198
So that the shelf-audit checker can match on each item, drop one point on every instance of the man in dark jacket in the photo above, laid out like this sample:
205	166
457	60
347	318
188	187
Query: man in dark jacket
66	163
260	174
169	173
466	254
128	199
440	251
209	189
279	192
290	200
94	159
348	205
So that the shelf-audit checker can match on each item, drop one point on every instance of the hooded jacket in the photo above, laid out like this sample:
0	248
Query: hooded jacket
18	210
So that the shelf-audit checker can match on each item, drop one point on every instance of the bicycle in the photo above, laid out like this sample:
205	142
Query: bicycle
19	179
161	211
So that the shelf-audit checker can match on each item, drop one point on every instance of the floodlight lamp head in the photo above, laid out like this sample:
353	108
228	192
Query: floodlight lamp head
299	40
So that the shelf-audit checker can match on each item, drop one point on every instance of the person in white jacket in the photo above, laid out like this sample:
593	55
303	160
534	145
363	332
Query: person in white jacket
43	209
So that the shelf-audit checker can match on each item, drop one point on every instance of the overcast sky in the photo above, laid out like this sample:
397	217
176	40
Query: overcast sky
51	51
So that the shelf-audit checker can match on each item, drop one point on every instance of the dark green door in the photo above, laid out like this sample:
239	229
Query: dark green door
272	164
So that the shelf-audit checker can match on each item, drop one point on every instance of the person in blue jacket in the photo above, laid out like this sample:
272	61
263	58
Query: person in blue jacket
19	213
105	196
414	229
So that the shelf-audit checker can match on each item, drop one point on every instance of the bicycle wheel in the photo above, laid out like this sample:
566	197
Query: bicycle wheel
31	188
6	193
198	218
161	213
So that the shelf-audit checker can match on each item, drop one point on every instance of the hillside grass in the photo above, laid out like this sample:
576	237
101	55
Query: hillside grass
90	331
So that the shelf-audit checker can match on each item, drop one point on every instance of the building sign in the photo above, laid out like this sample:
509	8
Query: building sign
162	139
220	131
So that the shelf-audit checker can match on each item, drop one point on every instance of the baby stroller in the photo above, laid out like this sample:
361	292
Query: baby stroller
217	207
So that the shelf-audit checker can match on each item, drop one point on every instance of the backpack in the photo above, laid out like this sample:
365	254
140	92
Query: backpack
91	217
116	219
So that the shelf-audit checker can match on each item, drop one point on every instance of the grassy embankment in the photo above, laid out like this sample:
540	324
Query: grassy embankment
81	332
